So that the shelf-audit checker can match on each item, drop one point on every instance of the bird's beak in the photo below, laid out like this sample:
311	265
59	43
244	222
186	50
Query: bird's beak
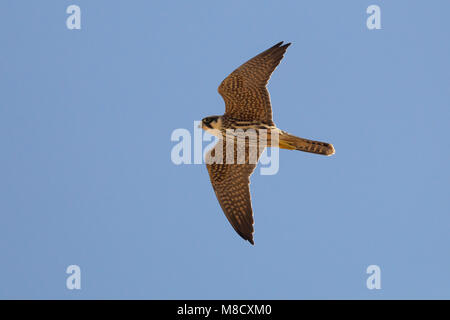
199	126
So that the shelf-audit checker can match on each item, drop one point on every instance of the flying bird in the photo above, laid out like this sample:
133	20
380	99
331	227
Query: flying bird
247	107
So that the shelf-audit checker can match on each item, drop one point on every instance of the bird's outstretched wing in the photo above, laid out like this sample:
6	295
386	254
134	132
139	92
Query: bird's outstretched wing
244	90
231	183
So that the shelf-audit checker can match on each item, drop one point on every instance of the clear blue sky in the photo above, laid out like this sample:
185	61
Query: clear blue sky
86	176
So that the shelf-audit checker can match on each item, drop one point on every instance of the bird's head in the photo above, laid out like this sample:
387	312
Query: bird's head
211	123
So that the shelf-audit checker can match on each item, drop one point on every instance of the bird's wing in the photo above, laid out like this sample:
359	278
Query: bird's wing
231	183
244	90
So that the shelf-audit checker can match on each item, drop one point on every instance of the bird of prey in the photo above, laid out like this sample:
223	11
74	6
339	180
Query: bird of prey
247	107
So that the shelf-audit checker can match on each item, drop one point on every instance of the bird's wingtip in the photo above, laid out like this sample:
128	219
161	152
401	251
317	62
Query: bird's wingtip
282	45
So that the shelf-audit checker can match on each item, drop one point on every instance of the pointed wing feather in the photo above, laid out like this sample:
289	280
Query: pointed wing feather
231	185
244	90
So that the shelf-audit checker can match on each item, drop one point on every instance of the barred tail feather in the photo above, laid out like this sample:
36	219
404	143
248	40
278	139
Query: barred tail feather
290	142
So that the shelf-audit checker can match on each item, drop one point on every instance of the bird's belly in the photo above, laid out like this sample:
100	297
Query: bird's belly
264	135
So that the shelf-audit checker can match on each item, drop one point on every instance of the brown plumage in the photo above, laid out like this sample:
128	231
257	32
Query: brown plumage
231	185
244	90
247	106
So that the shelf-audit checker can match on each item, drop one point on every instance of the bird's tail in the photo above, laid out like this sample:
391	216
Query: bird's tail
290	142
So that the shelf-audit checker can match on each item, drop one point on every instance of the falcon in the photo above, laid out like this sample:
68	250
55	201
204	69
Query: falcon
247	108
